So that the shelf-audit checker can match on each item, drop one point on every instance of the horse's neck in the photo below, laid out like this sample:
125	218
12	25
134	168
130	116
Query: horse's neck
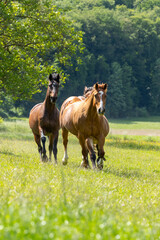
48	105
90	108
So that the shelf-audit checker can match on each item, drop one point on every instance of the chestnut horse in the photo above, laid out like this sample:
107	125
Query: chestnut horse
84	118
89	141
44	120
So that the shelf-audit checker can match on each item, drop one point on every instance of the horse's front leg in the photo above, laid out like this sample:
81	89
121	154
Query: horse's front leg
65	142
84	162
55	148
50	147
43	140
101	153
90	146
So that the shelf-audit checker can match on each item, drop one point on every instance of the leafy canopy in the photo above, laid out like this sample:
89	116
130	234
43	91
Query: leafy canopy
29	30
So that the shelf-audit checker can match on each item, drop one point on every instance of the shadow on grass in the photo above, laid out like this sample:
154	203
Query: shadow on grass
3	128
9	153
19	137
124	173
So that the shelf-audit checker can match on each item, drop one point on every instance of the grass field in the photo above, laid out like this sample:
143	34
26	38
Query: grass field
44	201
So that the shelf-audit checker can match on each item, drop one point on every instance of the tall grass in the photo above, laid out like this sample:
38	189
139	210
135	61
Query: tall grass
45	201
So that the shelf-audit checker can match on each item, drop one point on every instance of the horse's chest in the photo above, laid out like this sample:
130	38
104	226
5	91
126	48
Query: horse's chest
49	124
89	128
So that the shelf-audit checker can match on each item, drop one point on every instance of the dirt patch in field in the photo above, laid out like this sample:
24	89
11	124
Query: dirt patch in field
138	132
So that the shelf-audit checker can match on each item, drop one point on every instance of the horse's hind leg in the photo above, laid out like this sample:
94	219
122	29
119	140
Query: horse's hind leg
65	141
85	162
92	154
100	153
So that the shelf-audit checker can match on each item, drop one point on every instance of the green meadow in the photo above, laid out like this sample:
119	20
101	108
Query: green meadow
47	201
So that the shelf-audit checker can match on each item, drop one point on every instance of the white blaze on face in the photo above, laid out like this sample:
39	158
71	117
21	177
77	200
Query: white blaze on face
54	89
101	102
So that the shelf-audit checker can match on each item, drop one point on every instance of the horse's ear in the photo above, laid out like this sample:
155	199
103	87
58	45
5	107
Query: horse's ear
96	86
85	89
105	86
54	77
50	77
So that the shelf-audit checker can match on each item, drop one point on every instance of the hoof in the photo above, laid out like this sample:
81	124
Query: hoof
64	161
100	163
85	165
44	159
94	167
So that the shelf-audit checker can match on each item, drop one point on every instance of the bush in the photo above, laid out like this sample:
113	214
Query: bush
3	114
140	112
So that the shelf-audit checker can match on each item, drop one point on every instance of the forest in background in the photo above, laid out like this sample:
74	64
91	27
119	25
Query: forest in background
122	48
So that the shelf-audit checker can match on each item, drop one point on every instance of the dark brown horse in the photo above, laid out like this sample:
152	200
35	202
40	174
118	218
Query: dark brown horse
84	118
44	120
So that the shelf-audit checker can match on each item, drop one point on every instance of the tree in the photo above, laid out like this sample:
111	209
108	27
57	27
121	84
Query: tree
155	88
116	99
29	31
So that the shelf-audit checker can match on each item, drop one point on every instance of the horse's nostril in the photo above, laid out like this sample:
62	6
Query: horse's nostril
101	111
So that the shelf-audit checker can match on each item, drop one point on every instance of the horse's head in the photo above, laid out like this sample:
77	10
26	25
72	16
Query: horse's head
100	97
53	86
87	91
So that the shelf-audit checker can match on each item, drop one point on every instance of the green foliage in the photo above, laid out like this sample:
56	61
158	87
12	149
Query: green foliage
155	87
146	4
125	33
29	30
8	107
43	201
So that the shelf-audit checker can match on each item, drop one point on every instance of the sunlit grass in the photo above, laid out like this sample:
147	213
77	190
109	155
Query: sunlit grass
44	201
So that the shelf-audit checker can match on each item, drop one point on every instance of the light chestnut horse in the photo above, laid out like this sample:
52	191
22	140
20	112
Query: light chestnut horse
83	117
44	120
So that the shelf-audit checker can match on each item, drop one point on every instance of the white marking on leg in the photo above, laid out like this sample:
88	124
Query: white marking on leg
42	134
65	158
100	163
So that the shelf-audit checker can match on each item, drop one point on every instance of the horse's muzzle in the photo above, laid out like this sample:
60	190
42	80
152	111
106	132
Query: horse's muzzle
101	111
53	99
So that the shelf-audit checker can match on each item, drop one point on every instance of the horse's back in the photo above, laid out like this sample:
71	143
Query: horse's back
67	111
33	118
68	104
69	101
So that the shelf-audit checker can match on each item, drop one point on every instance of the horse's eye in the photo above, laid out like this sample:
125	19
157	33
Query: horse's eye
96	95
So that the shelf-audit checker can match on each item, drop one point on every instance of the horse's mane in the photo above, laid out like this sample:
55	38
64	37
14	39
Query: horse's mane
87	90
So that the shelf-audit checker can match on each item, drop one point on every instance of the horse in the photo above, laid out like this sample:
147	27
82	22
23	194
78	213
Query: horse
84	118
89	142
44	120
